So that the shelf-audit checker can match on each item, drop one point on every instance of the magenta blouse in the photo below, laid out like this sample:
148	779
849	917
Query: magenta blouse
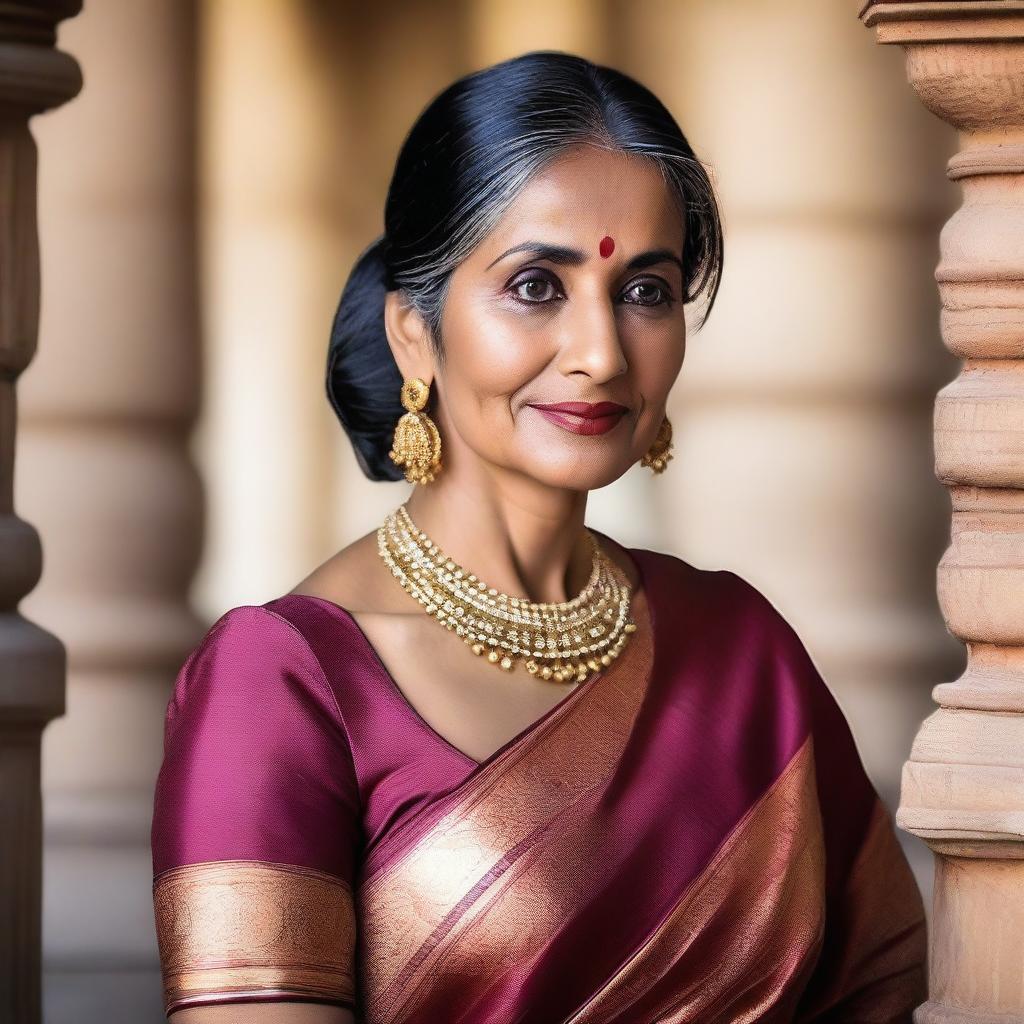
689	835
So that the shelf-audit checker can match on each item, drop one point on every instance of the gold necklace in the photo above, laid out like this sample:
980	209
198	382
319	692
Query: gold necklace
563	641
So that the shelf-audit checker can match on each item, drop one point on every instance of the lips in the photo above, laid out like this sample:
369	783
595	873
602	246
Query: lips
588	410
583	417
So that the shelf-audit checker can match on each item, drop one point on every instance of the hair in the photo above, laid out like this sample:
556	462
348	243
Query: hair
467	157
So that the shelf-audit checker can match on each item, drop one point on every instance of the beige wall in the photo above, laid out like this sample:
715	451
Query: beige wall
802	415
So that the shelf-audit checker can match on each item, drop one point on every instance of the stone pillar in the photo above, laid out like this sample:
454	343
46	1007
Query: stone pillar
105	469
34	76
963	787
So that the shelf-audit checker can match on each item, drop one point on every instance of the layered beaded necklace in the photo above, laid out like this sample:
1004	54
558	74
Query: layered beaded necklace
564	641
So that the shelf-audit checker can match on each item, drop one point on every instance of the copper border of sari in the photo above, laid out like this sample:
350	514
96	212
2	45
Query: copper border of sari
747	929
517	824
878	971
243	929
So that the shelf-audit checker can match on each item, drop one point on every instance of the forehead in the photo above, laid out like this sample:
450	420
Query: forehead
589	192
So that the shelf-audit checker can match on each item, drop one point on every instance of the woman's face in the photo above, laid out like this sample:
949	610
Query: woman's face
575	296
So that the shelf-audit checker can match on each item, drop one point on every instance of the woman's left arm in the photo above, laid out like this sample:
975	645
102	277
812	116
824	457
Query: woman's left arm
872	967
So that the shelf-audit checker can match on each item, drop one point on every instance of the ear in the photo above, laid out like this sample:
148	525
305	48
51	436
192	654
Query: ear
408	337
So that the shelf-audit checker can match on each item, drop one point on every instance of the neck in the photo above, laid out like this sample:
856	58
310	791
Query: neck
523	541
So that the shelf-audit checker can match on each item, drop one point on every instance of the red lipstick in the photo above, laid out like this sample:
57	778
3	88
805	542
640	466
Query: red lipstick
583	417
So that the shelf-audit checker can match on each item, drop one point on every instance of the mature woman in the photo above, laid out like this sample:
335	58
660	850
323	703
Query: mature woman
486	764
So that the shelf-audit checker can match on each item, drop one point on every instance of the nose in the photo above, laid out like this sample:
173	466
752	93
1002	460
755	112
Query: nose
590	340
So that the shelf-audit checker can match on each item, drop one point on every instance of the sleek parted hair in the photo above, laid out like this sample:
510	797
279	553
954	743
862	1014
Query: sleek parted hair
467	157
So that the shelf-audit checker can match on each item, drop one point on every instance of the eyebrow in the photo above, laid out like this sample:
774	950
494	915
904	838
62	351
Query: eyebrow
565	256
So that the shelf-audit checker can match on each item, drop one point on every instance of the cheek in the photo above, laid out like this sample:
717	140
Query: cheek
492	354
655	352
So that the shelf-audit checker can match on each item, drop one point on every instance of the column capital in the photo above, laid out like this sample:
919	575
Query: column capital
34	75
938	21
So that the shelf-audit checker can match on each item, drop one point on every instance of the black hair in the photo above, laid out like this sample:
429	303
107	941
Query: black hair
466	158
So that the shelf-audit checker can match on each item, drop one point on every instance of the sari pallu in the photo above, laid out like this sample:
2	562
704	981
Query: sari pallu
688	836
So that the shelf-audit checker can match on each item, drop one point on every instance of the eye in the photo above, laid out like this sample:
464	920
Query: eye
649	292
534	289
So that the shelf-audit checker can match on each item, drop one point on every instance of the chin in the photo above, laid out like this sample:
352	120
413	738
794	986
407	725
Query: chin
571	476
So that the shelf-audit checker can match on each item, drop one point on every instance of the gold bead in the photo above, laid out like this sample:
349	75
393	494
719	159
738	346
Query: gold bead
493	656
630	627
478	648
532	667
545	672
506	663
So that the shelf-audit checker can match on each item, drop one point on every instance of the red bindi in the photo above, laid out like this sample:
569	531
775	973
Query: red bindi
607	247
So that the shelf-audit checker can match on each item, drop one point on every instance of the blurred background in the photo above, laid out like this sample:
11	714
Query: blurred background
200	205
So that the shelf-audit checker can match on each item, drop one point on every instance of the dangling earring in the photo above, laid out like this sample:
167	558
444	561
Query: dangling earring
660	452
417	444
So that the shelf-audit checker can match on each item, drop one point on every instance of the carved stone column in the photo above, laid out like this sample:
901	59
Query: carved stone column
105	470
34	76
963	788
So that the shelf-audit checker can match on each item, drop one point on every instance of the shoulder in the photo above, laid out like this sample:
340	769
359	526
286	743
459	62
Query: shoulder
354	578
251	663
245	625
798	681
730	625
256	759
735	629
246	634
716	595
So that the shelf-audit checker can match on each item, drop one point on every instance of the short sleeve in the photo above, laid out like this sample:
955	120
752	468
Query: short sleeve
255	823
872	967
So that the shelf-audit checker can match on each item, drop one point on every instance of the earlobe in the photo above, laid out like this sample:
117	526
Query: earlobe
408	336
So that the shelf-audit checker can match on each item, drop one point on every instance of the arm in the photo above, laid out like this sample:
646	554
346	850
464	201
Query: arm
255	832
872	966
873	963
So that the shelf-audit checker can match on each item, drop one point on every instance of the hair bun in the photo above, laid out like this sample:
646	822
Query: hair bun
363	380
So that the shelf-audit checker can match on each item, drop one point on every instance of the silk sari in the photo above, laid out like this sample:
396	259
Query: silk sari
689	835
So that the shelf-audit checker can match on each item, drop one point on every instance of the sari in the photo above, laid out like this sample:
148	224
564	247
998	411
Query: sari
689	835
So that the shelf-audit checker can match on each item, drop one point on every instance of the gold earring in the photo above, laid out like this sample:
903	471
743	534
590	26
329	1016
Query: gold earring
660	452
417	444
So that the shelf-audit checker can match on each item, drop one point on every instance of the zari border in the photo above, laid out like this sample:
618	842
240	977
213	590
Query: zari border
240	930
515	830
878	971
745	931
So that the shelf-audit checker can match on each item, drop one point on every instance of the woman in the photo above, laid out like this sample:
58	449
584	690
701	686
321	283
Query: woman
632	798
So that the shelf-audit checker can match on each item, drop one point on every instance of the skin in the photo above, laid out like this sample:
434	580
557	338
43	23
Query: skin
510	500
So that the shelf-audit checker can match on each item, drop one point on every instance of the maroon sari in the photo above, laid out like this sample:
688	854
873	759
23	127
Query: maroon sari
688	836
